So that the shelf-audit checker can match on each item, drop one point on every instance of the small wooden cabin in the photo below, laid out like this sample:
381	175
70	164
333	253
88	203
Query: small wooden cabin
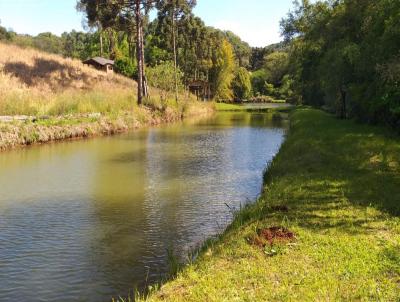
101	64
201	89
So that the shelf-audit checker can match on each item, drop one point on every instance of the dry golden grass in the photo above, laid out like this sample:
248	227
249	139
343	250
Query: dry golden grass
38	84
33	82
49	73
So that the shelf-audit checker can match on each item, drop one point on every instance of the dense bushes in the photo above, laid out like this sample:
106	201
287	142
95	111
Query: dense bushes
126	67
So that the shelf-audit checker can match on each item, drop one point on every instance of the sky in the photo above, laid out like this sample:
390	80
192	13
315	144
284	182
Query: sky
255	21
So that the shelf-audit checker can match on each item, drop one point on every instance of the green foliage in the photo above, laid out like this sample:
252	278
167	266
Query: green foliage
269	89
3	33
258	54
126	67
196	44
258	79
276	67
344	56
272	78
285	91
162	76
224	72
154	54
6	35
242	84
77	45
80	45
242	49
48	42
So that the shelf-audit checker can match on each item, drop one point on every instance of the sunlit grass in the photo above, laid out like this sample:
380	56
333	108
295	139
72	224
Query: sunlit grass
340	181
228	107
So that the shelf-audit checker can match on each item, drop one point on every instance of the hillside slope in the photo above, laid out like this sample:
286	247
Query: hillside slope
30	68
62	98
33	82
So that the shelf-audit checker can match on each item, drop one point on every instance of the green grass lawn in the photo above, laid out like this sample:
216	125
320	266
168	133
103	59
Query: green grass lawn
251	107
340	182
228	107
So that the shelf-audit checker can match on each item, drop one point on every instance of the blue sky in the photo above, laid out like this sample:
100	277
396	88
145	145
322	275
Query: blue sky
255	21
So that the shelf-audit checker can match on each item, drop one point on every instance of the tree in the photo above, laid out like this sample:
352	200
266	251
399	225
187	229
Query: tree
276	66
258	79
224	71
343	57
163	76
80	45
242	84
6	34
269	79
196	45
172	12
242	49
48	42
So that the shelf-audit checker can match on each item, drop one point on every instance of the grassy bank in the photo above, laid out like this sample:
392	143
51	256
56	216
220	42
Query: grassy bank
23	133
61	98
335	185
228	107
256	107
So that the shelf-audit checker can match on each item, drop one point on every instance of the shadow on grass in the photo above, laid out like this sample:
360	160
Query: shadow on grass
333	174
44	70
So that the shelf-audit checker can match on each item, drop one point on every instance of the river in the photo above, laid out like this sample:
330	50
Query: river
92	219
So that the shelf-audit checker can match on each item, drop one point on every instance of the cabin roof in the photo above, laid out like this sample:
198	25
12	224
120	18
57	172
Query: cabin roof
100	61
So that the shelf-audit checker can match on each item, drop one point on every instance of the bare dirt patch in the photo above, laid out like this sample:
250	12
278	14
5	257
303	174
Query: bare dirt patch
271	236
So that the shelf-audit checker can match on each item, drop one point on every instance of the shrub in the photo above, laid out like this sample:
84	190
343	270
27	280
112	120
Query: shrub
162	76
126	67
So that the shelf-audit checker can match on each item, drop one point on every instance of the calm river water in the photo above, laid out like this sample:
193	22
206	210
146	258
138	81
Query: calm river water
90	220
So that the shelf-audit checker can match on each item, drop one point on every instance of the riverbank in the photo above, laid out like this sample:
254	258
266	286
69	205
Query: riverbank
253	107
326	227
45	97
56	128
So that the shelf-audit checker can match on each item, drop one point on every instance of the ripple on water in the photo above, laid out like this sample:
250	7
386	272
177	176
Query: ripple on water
92	219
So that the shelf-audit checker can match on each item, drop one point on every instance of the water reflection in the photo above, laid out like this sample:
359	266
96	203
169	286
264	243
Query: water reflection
91	219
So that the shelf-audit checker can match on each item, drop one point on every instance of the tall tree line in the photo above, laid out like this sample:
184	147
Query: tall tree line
345	56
